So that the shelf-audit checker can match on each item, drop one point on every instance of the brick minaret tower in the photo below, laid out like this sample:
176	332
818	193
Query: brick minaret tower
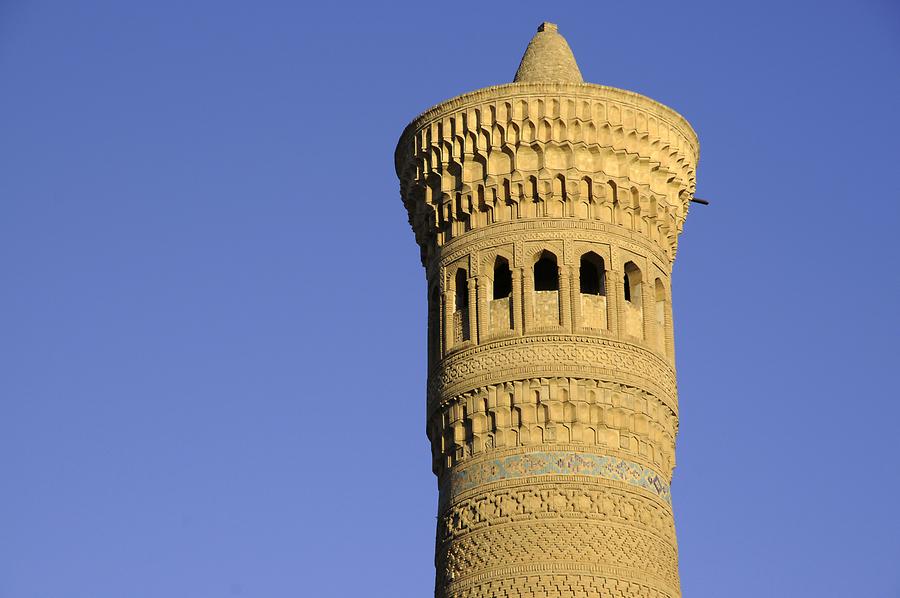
547	212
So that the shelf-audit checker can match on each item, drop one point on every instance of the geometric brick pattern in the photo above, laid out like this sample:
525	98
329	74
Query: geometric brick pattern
540	584
539	542
555	500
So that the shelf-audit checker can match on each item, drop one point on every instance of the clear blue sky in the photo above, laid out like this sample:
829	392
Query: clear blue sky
212	313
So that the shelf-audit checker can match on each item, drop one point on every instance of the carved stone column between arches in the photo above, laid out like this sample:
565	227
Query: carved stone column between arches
482	317
575	300
473	303
516	298
648	306
565	296
616	299
447	317
528	299
440	349
670	329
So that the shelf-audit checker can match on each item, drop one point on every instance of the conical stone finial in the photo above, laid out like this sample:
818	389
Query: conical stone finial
548	59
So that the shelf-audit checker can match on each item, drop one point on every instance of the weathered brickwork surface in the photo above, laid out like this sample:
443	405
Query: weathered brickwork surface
500	314
552	404
593	310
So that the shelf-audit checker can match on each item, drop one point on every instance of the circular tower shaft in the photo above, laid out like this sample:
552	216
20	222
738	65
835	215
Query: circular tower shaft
547	214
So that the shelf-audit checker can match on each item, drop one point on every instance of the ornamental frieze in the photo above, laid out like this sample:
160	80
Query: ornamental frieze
562	355
560	500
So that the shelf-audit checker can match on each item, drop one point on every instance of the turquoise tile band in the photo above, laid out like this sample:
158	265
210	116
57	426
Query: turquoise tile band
558	463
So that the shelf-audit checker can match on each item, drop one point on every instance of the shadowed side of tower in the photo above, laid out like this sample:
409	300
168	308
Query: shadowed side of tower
547	212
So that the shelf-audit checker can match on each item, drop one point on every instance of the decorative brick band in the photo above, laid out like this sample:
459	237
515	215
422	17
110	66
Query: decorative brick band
553	355
558	463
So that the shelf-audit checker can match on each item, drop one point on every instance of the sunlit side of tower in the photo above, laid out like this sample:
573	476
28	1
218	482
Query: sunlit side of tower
547	212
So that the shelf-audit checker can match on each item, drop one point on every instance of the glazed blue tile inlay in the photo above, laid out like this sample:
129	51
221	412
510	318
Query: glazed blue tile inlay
558	463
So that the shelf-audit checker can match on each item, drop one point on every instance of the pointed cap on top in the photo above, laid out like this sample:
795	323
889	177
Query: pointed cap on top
548	59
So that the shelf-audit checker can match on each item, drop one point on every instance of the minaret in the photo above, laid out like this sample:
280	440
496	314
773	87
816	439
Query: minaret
547	212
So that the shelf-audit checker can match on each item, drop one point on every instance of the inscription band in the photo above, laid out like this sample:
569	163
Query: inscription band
557	463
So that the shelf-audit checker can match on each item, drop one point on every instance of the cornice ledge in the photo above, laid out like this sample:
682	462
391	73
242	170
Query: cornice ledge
513	90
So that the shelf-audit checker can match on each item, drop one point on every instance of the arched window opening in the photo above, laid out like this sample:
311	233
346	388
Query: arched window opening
661	327
591	275
546	287
462	290
461	306
502	279
632	284
634	315
501	305
592	284
546	273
